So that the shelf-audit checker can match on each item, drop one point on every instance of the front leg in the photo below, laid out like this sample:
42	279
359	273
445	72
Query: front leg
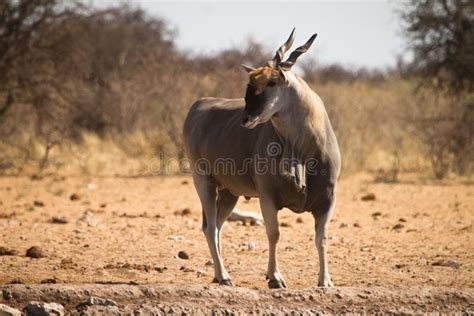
270	217
322	222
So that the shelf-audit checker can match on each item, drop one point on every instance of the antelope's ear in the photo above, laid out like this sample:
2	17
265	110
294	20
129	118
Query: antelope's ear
248	68
282	74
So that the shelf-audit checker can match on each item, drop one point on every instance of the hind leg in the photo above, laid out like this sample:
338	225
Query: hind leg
207	191
322	222
225	205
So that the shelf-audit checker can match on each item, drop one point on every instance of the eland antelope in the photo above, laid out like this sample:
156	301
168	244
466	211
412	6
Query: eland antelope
276	144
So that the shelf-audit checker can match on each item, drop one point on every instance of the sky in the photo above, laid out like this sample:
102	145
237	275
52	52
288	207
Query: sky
353	33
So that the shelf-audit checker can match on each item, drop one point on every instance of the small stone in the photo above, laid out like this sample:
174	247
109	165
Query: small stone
183	255
35	252
299	220
8	311
176	238
59	220
49	281
209	263
285	224
401	219
343	225
357	225
38	203
368	197
184	212
184	182
186	269
251	246
75	197
7	252
375	214
446	263
43	309
398	226
339	295
201	273
96	301
161	269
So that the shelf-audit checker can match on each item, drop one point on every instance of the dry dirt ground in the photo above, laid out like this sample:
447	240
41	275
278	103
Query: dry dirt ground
408	248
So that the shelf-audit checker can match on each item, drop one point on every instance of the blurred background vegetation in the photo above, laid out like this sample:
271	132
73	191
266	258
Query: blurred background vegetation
105	91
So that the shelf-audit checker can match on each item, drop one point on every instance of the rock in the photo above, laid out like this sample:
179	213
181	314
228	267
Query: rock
446	263
43	309
251	246
8	311
176	238
343	225
299	220
357	225
183	255
201	273
38	203
368	197
398	226
184	182
209	263
245	217
7	252
88	219
35	252
75	197
401	219
49	281
184	212
161	269
376	214
285	224
59	220
6	294
186	269
98	301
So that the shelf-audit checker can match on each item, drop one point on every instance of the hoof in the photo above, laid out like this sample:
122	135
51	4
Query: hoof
325	284
227	282
277	284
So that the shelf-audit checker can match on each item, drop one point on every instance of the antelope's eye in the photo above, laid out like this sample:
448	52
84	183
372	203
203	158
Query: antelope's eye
271	83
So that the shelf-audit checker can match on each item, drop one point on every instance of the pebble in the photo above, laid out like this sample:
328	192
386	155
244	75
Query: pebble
176	238
75	197
446	263
35	252
183	255
398	226
8	311
59	220
299	220
43	309
38	203
7	252
368	197
94	300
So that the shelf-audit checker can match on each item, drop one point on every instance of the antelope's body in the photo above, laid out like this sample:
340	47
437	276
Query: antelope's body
276	144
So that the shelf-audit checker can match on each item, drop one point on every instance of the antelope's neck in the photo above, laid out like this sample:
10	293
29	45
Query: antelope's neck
301	121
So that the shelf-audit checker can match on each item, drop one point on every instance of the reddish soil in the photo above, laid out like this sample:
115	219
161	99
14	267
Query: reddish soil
406	239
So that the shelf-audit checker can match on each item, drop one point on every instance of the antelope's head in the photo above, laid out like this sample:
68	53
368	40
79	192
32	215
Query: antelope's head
267	84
